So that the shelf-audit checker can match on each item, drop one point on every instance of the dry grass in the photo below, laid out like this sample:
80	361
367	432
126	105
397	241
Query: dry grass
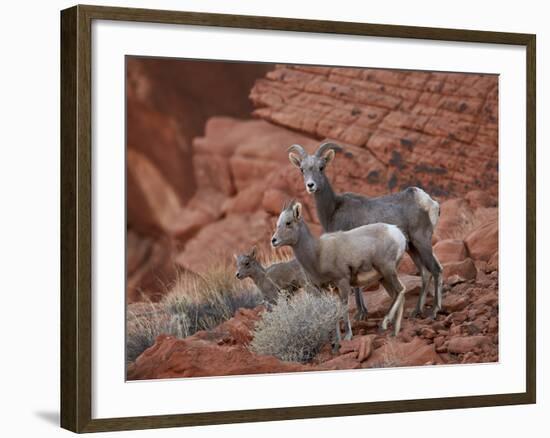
193	303
208	300
296	329
142	328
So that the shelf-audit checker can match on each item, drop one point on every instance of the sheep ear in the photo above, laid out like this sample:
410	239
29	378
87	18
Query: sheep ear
253	252
294	160
297	209
329	155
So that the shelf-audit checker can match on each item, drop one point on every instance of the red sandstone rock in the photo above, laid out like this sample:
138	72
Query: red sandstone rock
347	361
492	264
152	202
407	266
171	357
361	345
273	200
137	248
219	240
465	270
450	250
205	207
456	217
484	214
148	279
158	137
395	353
191	91
467	344
420	133
480	198
454	302
248	200
379	301
488	297
482	242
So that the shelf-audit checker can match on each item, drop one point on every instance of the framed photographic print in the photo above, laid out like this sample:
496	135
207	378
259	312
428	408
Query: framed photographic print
305	218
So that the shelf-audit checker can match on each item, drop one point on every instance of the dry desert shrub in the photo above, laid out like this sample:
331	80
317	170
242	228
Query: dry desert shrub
203	302
193	303
297	328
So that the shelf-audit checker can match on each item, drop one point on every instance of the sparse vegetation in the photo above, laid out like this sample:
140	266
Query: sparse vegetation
142	328
193	303
296	329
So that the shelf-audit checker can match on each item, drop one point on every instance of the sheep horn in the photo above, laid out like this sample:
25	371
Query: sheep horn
298	149
326	146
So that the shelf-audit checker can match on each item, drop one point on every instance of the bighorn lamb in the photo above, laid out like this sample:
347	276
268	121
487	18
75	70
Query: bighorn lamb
270	281
412	210
339	259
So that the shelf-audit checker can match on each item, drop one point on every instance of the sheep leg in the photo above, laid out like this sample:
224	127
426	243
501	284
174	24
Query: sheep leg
438	291
392	283
418	311
423	244
396	313
362	312
399	317
391	292
337	338
344	288
425	275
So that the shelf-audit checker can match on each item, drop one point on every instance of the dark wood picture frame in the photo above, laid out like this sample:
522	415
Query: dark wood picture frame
76	244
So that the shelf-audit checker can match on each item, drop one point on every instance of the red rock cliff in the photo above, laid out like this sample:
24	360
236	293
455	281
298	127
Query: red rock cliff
437	130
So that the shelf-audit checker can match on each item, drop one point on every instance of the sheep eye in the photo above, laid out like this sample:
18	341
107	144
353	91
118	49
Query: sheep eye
301	170
288	224
247	264
322	168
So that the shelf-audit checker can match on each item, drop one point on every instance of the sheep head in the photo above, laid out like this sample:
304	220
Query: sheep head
313	166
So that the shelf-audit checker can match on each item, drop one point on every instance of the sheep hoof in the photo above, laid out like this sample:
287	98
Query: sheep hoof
417	313
336	348
348	336
434	314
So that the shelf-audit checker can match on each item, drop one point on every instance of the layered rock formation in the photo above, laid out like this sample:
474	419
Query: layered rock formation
430	129
205	181
168	104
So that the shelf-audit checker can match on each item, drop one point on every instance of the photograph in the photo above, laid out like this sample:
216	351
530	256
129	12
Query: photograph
287	218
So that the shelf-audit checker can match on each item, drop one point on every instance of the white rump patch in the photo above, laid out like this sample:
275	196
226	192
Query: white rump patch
397	236
428	204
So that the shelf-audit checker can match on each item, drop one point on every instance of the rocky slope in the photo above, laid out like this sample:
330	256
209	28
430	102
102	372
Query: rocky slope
466	331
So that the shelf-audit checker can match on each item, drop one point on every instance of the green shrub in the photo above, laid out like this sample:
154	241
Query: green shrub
296	329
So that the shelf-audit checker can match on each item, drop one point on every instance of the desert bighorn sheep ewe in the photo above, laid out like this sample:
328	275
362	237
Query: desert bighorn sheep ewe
341	257
412	210
287	276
